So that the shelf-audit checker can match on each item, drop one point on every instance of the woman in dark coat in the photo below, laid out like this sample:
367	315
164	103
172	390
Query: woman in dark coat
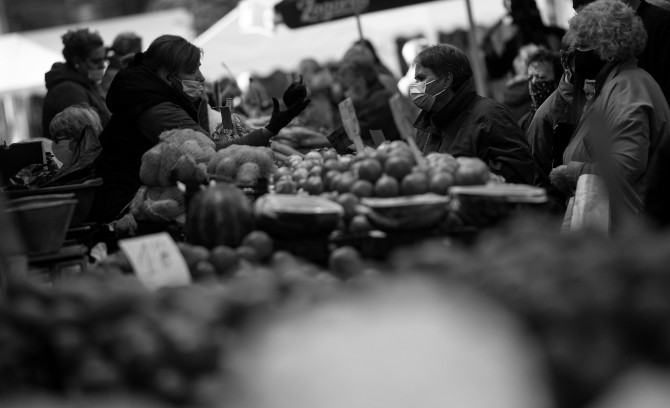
163	89
78	79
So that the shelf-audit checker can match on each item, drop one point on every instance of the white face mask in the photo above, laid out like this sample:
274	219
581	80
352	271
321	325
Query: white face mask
62	152
95	75
422	95
194	89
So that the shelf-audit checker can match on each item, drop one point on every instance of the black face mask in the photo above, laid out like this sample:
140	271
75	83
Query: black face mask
588	64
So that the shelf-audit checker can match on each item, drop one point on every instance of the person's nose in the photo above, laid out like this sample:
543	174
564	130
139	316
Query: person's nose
199	76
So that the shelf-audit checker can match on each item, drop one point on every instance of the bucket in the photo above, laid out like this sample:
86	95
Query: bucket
43	223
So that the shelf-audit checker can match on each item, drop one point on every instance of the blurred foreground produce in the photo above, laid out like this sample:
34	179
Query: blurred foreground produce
594	308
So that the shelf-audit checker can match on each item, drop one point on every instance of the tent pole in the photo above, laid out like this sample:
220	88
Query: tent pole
358	24
475	60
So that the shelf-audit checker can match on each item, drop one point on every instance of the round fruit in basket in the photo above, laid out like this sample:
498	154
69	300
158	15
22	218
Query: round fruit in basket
406	213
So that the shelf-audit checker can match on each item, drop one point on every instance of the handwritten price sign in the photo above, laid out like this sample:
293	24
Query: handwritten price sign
156	260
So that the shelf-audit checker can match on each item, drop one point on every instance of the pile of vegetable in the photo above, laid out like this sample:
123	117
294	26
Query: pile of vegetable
180	156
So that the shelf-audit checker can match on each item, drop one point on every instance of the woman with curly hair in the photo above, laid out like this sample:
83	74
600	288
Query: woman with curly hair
78	79
627	115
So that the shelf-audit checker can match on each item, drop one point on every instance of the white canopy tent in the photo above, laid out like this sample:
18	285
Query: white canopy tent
244	41
24	65
229	44
149	26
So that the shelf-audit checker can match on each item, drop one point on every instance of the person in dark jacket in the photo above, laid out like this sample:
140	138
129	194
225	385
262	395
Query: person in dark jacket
544	71
78	79
122	51
370	98
455	120
163	89
553	123
503	41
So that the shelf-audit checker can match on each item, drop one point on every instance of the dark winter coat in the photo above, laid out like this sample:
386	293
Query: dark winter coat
66	87
143	106
473	126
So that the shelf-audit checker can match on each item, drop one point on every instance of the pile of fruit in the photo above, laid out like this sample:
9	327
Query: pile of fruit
596	306
390	170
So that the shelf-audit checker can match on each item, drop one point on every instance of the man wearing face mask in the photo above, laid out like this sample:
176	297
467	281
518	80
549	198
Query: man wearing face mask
370	98
544	71
455	120
78	79
162	89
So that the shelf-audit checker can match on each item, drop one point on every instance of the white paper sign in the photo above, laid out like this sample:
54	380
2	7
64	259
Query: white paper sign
350	122
156	260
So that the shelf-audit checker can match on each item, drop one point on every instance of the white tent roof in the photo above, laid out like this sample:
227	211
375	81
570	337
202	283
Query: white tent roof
227	43
149	26
24	64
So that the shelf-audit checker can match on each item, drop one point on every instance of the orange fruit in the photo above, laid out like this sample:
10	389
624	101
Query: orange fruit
398	166
329	154
440	182
286	186
313	185
345	182
363	188
387	186
281	172
261	242
333	164
345	262
224	259
414	183
370	170
247	253
348	201
360	223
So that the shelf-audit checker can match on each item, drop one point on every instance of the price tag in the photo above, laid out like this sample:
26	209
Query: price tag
377	136
156	260
404	126
350	122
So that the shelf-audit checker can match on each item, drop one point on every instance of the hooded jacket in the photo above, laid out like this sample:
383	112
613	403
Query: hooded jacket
66	87
473	126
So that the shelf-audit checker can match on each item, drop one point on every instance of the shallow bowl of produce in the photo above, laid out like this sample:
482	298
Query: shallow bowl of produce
297	216
406	213
487	204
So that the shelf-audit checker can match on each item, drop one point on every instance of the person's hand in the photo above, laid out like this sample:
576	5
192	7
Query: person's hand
558	178
281	118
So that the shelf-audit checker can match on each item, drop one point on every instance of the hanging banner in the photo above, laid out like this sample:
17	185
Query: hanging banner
301	13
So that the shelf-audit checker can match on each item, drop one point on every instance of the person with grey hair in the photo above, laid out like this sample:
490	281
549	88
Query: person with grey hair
625	119
455	120
655	58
